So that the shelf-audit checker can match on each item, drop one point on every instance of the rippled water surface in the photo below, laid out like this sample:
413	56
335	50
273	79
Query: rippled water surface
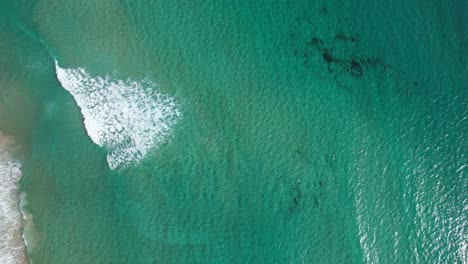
234	131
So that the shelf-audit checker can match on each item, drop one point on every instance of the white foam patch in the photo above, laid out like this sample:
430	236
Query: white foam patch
12	245
128	118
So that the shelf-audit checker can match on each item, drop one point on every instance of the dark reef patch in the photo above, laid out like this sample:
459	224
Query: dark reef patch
296	197
323	10
355	69
343	56
353	66
315	43
347	38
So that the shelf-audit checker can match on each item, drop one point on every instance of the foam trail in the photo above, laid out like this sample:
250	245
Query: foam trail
127	118
12	245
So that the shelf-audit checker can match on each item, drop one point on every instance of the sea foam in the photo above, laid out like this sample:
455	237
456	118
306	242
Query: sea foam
126	117
12	245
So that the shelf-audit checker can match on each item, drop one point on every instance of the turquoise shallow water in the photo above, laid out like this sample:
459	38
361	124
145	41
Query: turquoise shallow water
324	132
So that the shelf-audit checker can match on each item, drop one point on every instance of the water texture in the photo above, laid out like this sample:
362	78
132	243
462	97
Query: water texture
179	131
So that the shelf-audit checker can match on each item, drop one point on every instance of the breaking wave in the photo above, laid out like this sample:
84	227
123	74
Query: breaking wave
125	117
12	244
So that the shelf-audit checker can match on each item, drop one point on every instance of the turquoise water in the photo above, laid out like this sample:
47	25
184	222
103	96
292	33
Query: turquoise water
294	132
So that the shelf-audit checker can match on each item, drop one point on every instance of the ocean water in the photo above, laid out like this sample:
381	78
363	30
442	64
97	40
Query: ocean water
234	131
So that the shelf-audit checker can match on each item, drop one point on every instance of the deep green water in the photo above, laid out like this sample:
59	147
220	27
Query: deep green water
310	131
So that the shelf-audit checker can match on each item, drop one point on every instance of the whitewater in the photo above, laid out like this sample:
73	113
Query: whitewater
12	244
126	117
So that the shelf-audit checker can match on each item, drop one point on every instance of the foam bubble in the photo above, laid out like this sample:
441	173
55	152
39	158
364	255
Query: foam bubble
12	245
127	117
